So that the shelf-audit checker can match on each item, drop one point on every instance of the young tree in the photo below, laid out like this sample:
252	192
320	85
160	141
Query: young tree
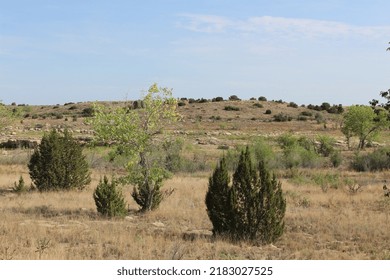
58	163
139	135
108	199
364	122
218	199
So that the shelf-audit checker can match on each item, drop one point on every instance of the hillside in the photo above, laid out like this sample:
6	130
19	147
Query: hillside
215	118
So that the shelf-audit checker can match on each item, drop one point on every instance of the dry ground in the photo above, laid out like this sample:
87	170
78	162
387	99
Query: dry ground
65	225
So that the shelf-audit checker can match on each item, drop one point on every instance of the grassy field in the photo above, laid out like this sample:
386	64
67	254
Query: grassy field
327	217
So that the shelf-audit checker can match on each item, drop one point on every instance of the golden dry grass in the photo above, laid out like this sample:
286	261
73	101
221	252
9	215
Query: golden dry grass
65	225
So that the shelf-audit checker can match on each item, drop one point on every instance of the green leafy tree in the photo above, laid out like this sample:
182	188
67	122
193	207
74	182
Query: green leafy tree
58	163
253	208
109	199
364	123
139	134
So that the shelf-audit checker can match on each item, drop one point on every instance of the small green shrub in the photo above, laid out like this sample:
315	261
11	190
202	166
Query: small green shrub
302	118
88	112
262	98
172	151
328	180
202	100
231	108
258	105
109	199
281	117
326	145
234	98
58	116
319	118
292	105
325	106
217	99
20	187
268	112
306	114
298	152
378	160
336	158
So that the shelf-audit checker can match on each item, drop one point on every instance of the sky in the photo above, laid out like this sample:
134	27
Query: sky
308	52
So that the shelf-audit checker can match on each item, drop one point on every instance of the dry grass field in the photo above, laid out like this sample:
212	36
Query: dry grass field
321	222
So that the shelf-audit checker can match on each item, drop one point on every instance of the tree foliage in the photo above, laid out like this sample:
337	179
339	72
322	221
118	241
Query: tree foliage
364	123
139	135
218	199
252	208
58	163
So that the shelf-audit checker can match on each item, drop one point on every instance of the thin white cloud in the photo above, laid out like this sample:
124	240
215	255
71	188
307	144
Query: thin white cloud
205	23
278	25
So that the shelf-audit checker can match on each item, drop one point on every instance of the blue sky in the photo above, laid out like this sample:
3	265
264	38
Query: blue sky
52	52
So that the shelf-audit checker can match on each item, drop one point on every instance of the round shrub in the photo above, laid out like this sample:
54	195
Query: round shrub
58	163
234	98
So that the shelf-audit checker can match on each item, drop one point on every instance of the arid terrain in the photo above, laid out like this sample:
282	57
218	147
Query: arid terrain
332	212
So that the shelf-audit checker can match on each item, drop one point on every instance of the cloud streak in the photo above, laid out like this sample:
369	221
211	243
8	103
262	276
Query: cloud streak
311	28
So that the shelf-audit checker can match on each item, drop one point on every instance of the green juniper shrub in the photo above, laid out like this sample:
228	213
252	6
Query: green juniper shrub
58	163
218	199
217	99
251	209
88	112
234	98
109	199
292	105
